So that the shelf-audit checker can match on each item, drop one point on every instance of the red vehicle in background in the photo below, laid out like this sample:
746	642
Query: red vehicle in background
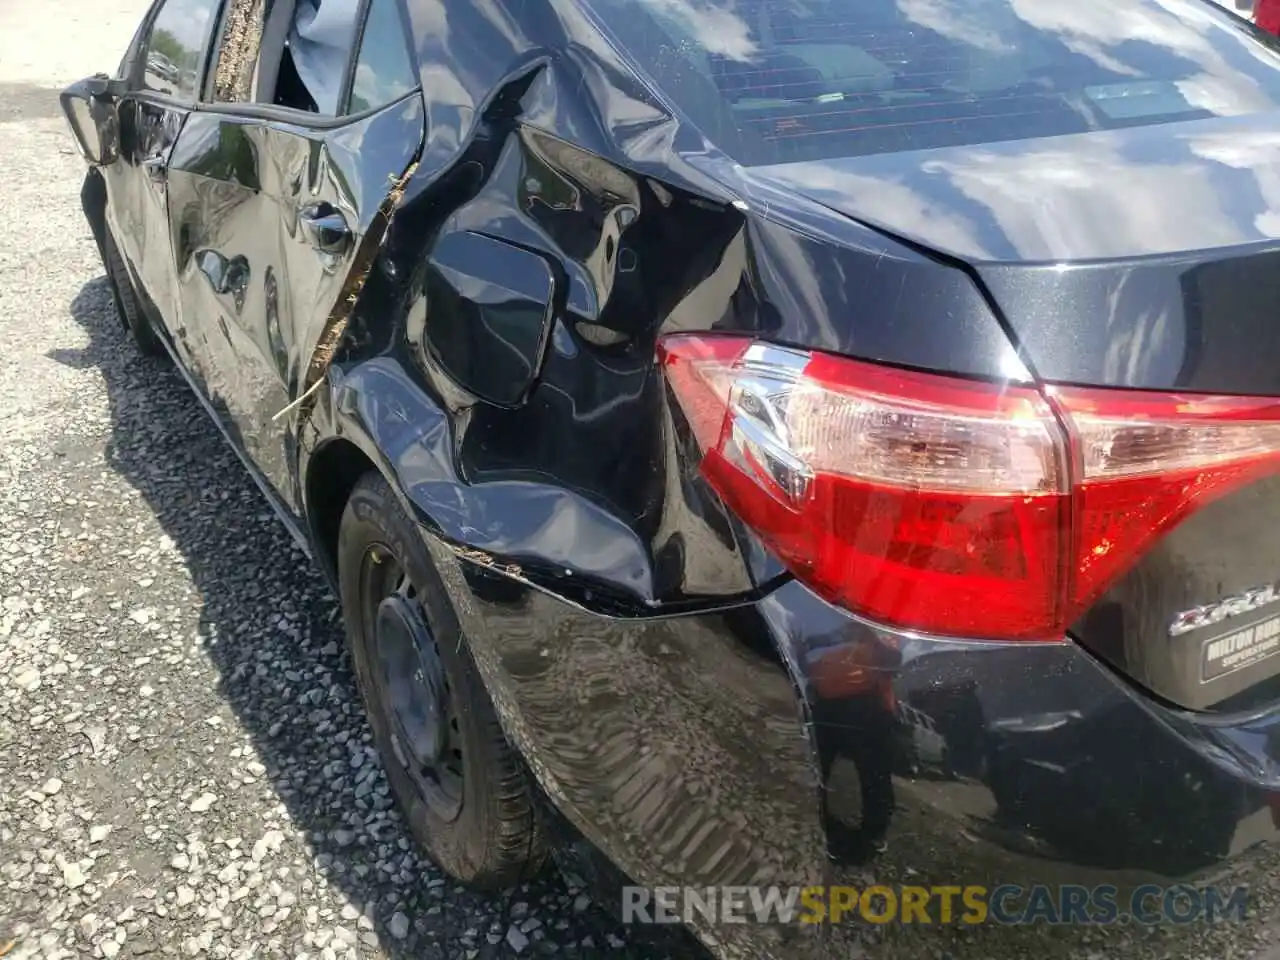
1266	14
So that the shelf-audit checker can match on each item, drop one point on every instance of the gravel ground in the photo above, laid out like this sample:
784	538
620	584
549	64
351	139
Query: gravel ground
185	766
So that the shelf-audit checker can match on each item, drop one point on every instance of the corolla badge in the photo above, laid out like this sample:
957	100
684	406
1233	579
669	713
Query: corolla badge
1212	613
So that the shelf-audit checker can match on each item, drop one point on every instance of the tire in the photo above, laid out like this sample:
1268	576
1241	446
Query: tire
144	337
488	836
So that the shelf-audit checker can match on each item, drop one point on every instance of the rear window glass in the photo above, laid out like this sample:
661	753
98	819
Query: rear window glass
779	80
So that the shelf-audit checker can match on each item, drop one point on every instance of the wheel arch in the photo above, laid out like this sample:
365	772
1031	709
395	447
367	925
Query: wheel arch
345	439
331	473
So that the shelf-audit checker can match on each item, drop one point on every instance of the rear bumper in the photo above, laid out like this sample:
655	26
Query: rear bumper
1029	749
792	744
955	763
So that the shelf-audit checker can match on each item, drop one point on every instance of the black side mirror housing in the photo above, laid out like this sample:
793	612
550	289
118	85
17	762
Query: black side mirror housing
90	108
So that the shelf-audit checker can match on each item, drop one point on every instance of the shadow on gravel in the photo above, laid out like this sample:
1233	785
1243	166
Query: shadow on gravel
271	627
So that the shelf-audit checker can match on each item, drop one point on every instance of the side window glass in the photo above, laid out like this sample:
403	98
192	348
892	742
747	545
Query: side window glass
175	50
383	71
236	70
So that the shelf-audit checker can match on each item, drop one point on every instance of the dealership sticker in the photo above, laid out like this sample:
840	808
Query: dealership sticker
1242	648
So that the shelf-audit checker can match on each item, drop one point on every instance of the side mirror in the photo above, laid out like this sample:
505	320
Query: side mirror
90	108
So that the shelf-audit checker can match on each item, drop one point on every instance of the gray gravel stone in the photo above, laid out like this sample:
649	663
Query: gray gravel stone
516	939
72	876
398	926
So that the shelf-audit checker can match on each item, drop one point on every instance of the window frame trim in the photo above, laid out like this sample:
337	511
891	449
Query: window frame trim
298	118
357	42
266	112
302	118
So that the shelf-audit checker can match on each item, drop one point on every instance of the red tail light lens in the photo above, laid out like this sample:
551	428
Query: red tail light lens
1144	462
949	506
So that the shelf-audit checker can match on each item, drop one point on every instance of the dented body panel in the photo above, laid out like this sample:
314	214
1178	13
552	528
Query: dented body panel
256	295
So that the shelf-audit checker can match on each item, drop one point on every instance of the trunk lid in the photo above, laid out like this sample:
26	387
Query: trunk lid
1144	258
1147	257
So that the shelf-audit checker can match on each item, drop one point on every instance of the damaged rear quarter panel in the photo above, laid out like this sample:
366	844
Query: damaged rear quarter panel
580	475
604	590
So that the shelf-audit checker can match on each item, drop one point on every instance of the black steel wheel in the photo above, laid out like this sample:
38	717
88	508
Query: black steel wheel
462	789
126	299
425	736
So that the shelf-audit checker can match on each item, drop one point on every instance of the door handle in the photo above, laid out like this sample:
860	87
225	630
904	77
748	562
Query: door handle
155	169
325	227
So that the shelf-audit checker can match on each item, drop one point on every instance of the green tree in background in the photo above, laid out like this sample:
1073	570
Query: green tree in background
170	47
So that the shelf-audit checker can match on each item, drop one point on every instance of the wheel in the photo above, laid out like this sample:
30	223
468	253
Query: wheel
461	787
127	301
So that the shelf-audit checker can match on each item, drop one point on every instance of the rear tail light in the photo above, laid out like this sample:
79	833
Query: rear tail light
949	506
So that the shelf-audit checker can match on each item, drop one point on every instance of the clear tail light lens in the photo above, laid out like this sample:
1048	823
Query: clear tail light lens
949	506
